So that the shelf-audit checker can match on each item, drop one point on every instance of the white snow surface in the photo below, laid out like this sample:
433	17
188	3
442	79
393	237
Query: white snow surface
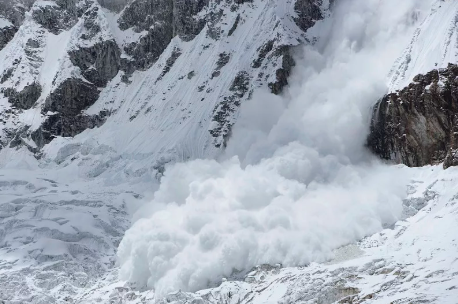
433	46
5	23
292	187
412	262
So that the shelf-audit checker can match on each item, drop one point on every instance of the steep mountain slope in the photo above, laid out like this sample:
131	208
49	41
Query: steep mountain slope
100	98
139	87
60	78
416	123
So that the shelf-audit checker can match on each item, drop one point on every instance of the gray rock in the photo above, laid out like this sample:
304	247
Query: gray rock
163	20
234	26
223	111
176	53
99	63
71	97
66	126
308	12
113	5
186	25
282	74
263	51
62	16
6	34
417	126
14	10
6	75
26	98
222	61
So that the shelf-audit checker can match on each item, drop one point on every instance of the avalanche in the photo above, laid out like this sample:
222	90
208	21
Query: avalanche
297	188
149	208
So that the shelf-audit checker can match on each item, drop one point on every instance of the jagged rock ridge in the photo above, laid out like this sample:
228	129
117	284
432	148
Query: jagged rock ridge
103	48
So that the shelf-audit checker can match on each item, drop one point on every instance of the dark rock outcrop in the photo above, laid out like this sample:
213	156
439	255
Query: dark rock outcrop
14	12
229	104
66	105
6	34
113	5
71	97
282	74
141	15
162	20
222	61
308	12
186	24
61	16
26	98
418	125
99	63
176	53
65	125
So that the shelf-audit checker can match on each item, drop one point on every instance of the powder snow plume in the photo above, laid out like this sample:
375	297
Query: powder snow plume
296	181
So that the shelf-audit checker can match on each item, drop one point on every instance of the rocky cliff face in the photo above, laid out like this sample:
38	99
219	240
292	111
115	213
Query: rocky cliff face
417	125
67	57
13	14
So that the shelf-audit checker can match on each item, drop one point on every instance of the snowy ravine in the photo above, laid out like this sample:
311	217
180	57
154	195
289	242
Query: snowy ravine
109	187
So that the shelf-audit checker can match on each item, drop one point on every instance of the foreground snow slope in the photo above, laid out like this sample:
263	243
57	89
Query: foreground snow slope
415	261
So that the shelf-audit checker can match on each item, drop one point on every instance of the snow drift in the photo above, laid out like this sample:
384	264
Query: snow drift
296	181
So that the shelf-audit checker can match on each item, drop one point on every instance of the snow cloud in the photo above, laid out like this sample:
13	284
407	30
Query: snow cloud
296	181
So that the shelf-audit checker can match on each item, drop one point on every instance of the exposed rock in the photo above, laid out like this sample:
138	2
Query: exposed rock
141	15
417	126
91	24
59	16
191	74
147	50
162	20
222	61
71	97
222	113
99	63
263	51
308	12
176	53
6	34
26	98
64	109
155	17
282	73
213	22
14	11
234	26
65	125
6	75
186	24
240	84
113	5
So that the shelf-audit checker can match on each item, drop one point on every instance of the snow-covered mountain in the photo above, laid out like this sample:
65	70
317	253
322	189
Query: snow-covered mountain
213	151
